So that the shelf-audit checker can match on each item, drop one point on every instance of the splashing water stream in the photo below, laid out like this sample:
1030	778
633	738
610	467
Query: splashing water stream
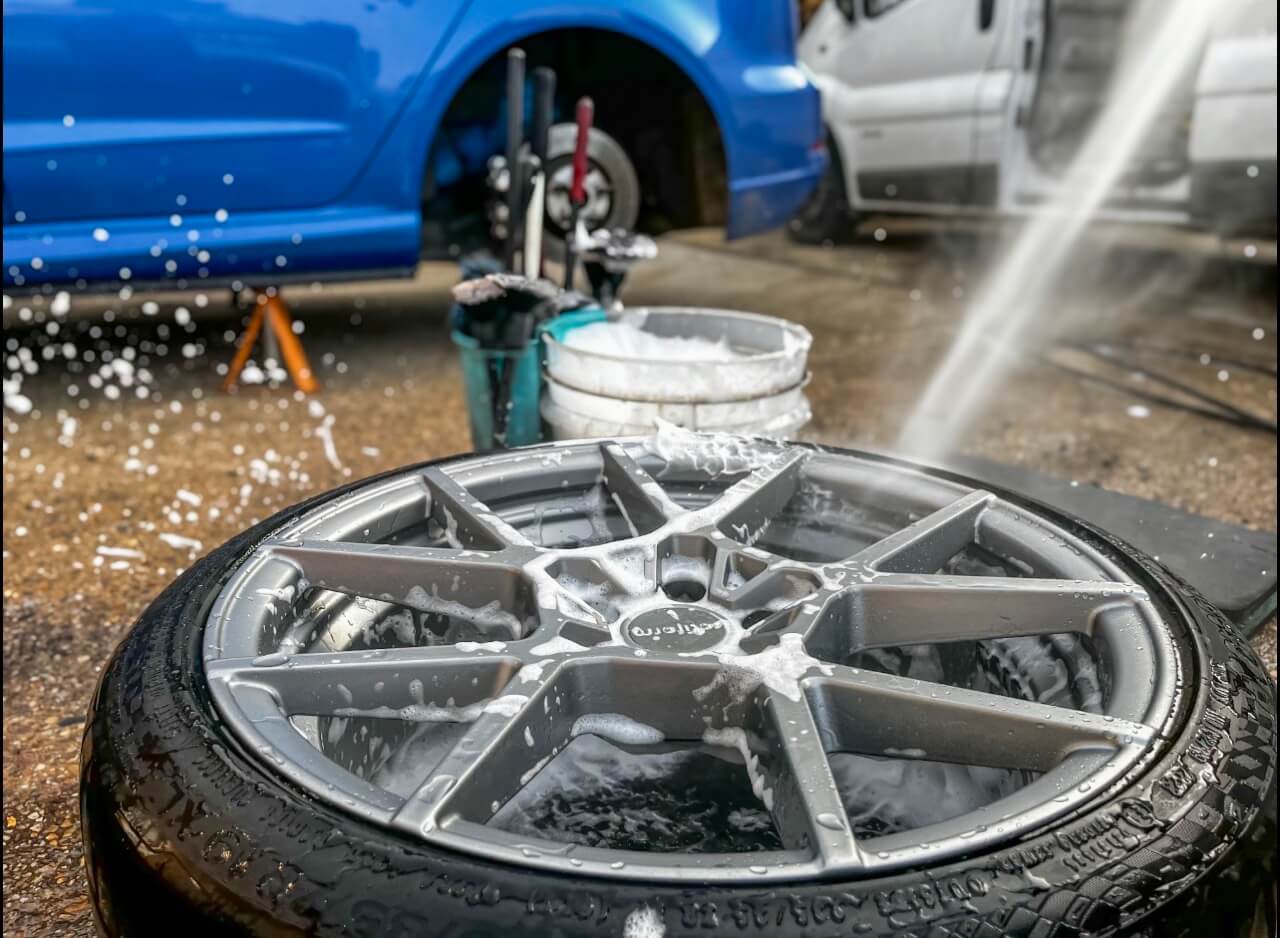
1167	44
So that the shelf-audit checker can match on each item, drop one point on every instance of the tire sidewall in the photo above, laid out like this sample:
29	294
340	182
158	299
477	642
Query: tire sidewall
826	215
237	845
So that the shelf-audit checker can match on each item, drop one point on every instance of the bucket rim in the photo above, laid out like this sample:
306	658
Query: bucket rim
803	336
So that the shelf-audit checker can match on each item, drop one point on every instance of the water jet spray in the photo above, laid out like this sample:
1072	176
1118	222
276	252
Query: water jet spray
1017	288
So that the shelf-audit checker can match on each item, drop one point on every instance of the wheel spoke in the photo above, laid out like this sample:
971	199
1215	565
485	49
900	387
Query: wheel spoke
562	614
880	714
806	803
281	742
747	506
381	569
481	589
513	739
424	684
911	609
779	584
637	494
923	547
467	521
821	621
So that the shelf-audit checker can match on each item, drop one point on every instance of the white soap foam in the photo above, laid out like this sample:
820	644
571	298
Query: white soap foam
617	728
181	543
120	552
734	737
507	706
644	922
779	667
714	453
556	646
480	646
489	616
417	713
625	339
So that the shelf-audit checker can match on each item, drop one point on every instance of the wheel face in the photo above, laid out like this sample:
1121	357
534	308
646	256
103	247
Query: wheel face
599	192
850	640
611	185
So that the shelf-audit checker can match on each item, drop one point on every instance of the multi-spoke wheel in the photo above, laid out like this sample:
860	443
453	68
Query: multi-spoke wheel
701	681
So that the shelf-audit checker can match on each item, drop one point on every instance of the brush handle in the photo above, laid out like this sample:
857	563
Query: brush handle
585	113
544	98
533	225
515	136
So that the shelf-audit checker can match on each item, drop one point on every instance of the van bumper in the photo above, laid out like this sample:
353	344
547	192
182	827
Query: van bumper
1234	197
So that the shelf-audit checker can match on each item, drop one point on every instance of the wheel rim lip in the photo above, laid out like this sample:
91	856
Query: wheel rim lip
893	852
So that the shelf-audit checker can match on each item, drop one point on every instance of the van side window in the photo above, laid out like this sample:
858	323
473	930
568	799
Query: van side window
876	7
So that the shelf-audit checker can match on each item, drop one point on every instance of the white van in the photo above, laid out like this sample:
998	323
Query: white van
978	106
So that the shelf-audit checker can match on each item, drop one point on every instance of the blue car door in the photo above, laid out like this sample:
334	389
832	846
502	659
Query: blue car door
135	108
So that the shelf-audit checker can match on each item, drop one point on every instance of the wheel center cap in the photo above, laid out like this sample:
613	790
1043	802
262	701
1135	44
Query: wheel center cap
676	628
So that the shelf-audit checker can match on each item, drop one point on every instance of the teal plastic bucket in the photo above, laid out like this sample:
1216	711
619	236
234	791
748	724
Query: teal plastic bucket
485	370
565	322
483	373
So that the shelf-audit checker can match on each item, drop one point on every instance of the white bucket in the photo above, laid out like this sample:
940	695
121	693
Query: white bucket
568	425
753	385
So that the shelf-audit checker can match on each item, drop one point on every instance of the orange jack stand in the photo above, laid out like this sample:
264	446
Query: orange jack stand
272	308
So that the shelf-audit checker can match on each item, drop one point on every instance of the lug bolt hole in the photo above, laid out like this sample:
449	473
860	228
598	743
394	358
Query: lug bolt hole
684	591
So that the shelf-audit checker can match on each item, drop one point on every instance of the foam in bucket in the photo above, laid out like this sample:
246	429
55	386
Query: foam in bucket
625	339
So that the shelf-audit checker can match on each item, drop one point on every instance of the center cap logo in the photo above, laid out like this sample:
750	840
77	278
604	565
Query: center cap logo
676	628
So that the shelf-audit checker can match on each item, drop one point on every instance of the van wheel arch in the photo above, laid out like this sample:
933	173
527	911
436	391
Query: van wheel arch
827	216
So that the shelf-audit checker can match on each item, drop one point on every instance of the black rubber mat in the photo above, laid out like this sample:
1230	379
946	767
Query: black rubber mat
1233	566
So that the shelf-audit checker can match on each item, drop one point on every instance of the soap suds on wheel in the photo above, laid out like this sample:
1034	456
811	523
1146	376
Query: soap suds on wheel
644	922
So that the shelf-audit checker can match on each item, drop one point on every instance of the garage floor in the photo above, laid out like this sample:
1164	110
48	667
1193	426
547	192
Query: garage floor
106	501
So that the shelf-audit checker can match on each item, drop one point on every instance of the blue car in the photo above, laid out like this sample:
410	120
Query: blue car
268	140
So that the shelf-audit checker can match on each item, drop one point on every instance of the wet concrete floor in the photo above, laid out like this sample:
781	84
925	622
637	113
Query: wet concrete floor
113	485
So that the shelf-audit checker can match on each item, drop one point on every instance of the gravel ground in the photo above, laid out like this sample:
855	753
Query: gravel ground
112	488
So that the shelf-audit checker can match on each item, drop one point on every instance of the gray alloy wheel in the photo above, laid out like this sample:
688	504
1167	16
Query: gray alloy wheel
416	651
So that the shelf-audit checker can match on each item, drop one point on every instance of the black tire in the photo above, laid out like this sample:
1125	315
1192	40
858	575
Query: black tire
607	155
185	829
826	217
